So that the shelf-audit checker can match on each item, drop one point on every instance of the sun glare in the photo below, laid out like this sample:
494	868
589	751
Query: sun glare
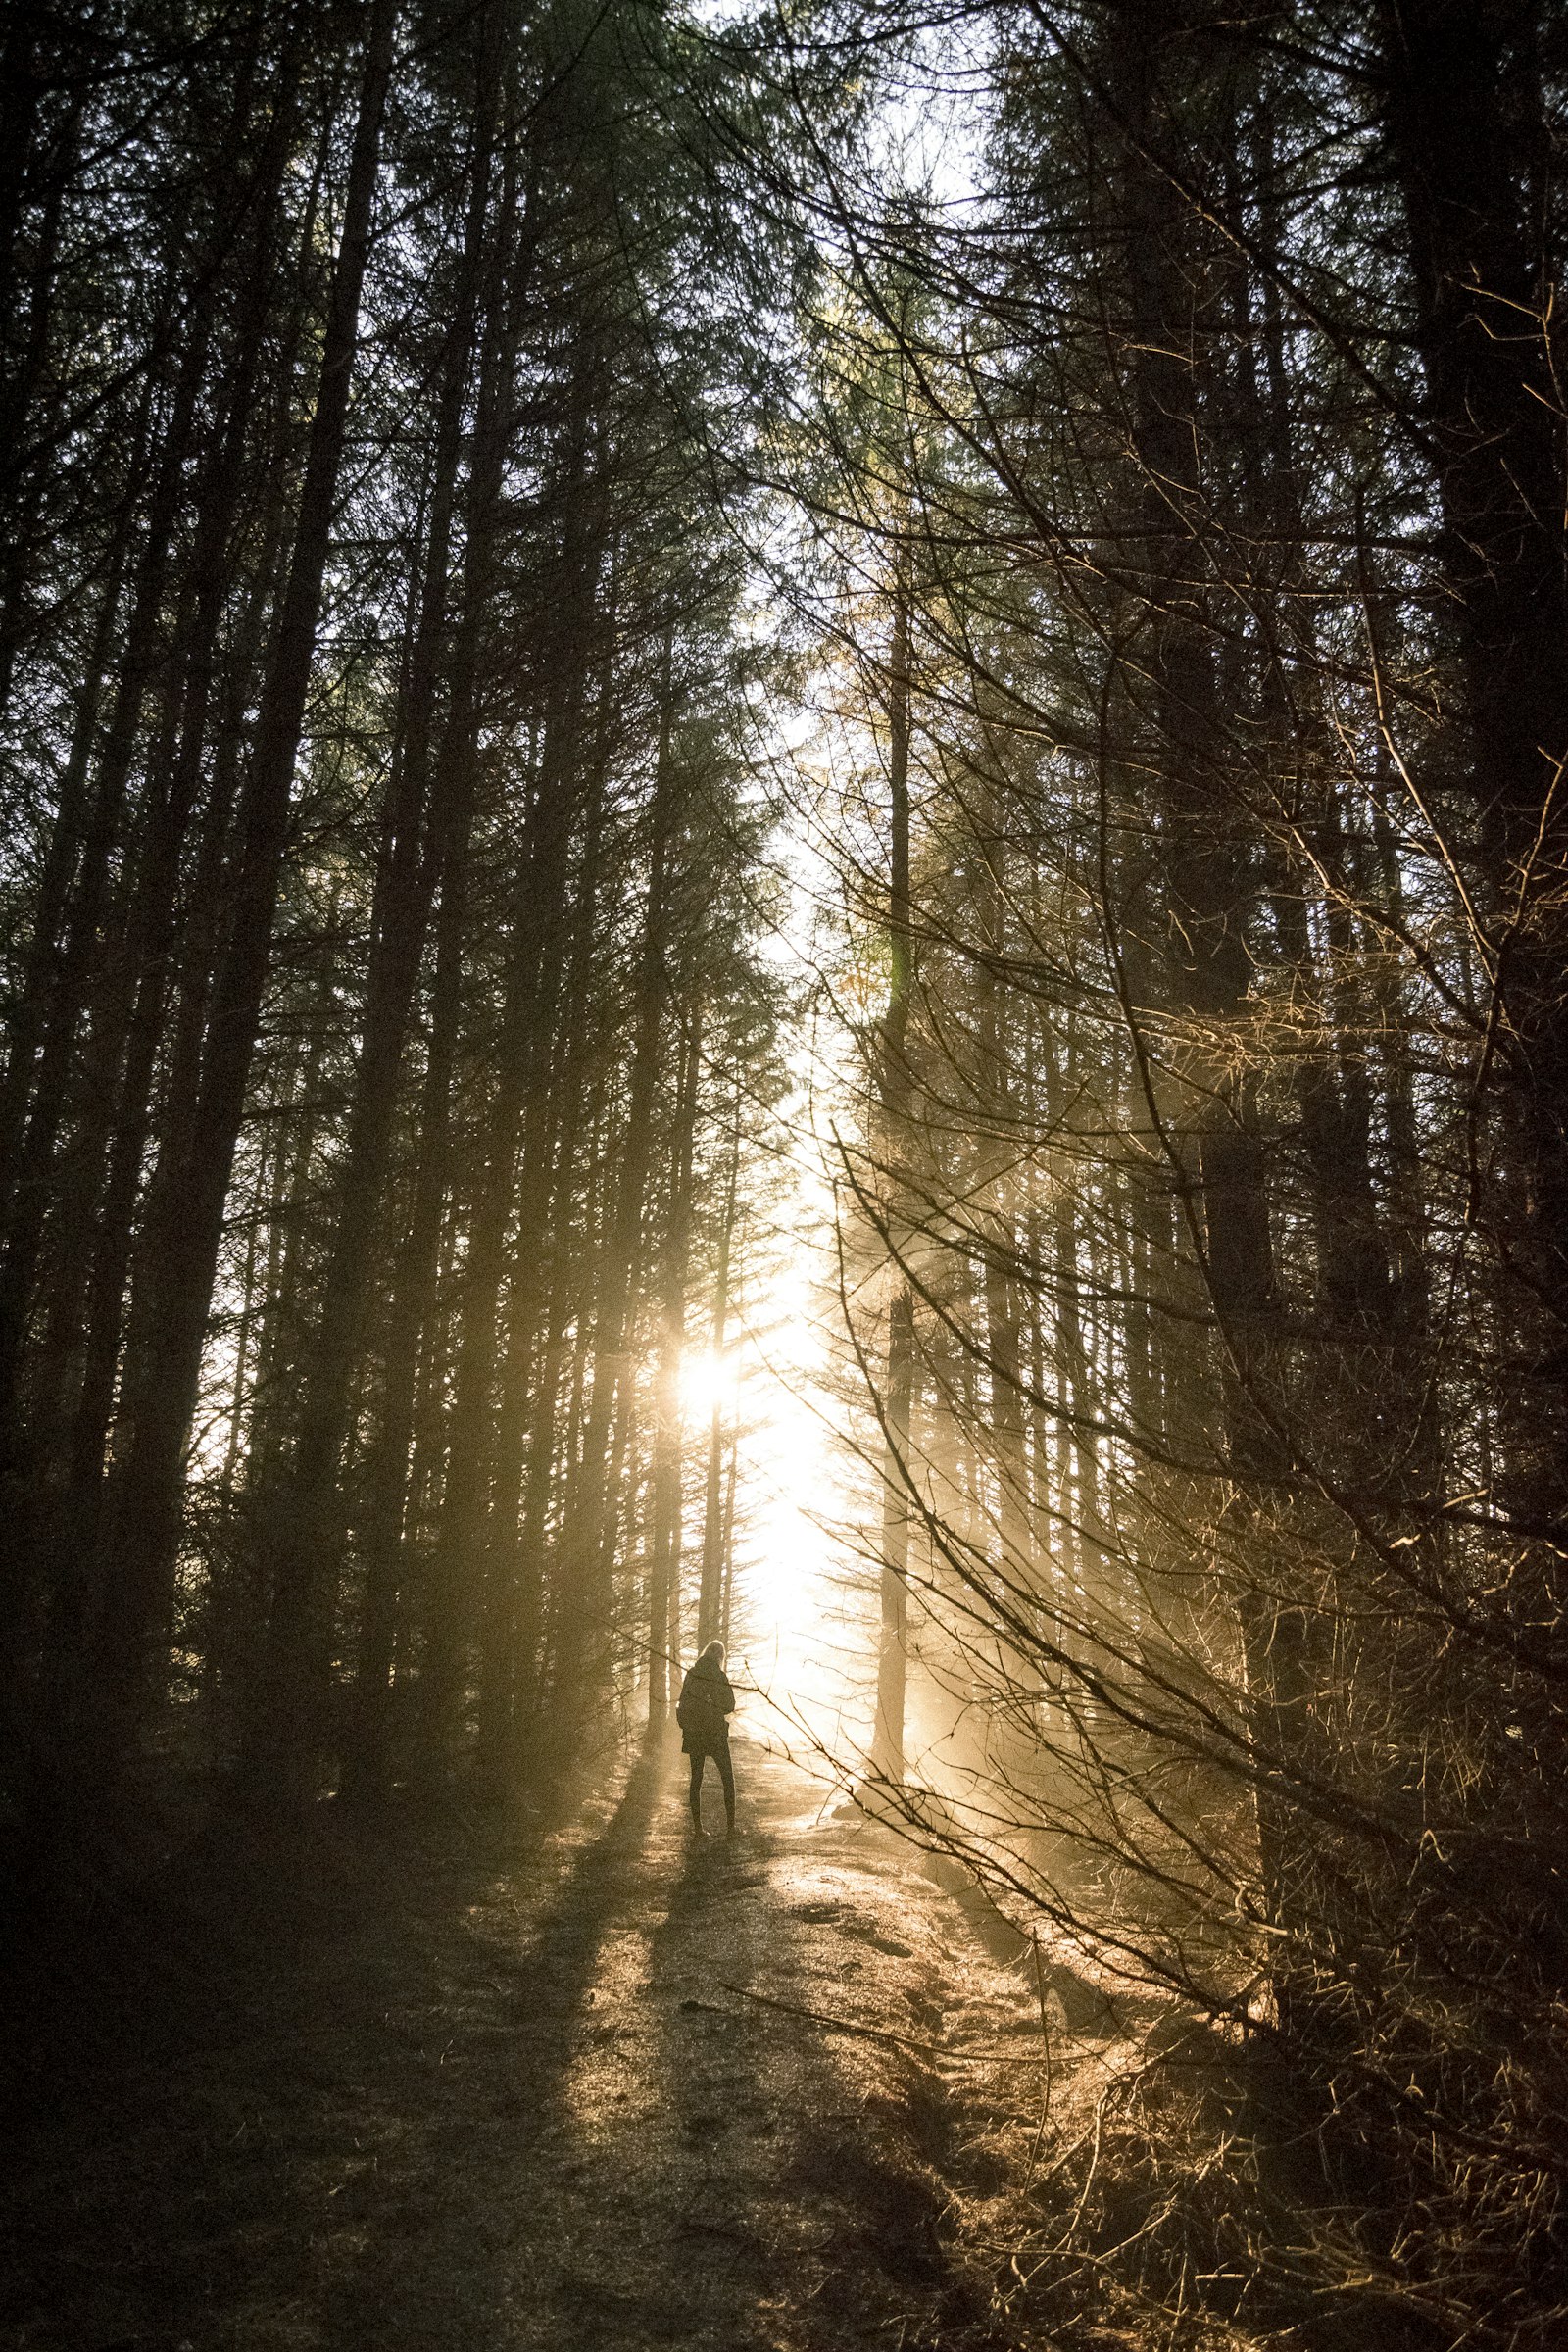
788	1638
710	1383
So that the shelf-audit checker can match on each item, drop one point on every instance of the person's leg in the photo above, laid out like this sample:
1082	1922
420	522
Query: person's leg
726	1773
696	1799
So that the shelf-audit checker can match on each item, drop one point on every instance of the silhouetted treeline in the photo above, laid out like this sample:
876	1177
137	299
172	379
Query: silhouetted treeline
384	1020
1193	465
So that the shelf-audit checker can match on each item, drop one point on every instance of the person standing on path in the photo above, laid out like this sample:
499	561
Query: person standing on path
706	1704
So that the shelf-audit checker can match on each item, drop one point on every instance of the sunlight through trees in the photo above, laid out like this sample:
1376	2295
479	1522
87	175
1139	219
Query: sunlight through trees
786	860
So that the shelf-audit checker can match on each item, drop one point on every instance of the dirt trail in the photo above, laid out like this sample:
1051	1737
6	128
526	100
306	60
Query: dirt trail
484	2102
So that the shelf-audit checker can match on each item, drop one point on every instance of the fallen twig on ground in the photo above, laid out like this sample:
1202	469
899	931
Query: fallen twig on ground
903	2041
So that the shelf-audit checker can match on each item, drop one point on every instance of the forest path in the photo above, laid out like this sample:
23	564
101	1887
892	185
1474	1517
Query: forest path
468	2102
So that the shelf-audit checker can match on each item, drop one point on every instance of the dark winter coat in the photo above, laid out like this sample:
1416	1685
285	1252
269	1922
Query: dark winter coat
706	1703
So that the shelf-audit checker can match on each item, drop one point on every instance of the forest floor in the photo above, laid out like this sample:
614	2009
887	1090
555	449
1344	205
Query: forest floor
595	2086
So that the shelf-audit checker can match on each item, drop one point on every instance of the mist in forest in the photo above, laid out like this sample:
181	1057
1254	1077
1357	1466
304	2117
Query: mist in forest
785	863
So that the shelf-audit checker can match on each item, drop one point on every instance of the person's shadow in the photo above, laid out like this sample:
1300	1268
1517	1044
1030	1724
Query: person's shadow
440	2257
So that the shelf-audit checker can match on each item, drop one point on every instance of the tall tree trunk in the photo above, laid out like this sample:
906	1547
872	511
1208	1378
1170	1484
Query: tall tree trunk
668	1461
1208	903
310	1536
122	1062
513	1594
582	1651
521	1058
710	1590
410	1376
896	1095
1457	75
186	1209
95	920
998	1244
